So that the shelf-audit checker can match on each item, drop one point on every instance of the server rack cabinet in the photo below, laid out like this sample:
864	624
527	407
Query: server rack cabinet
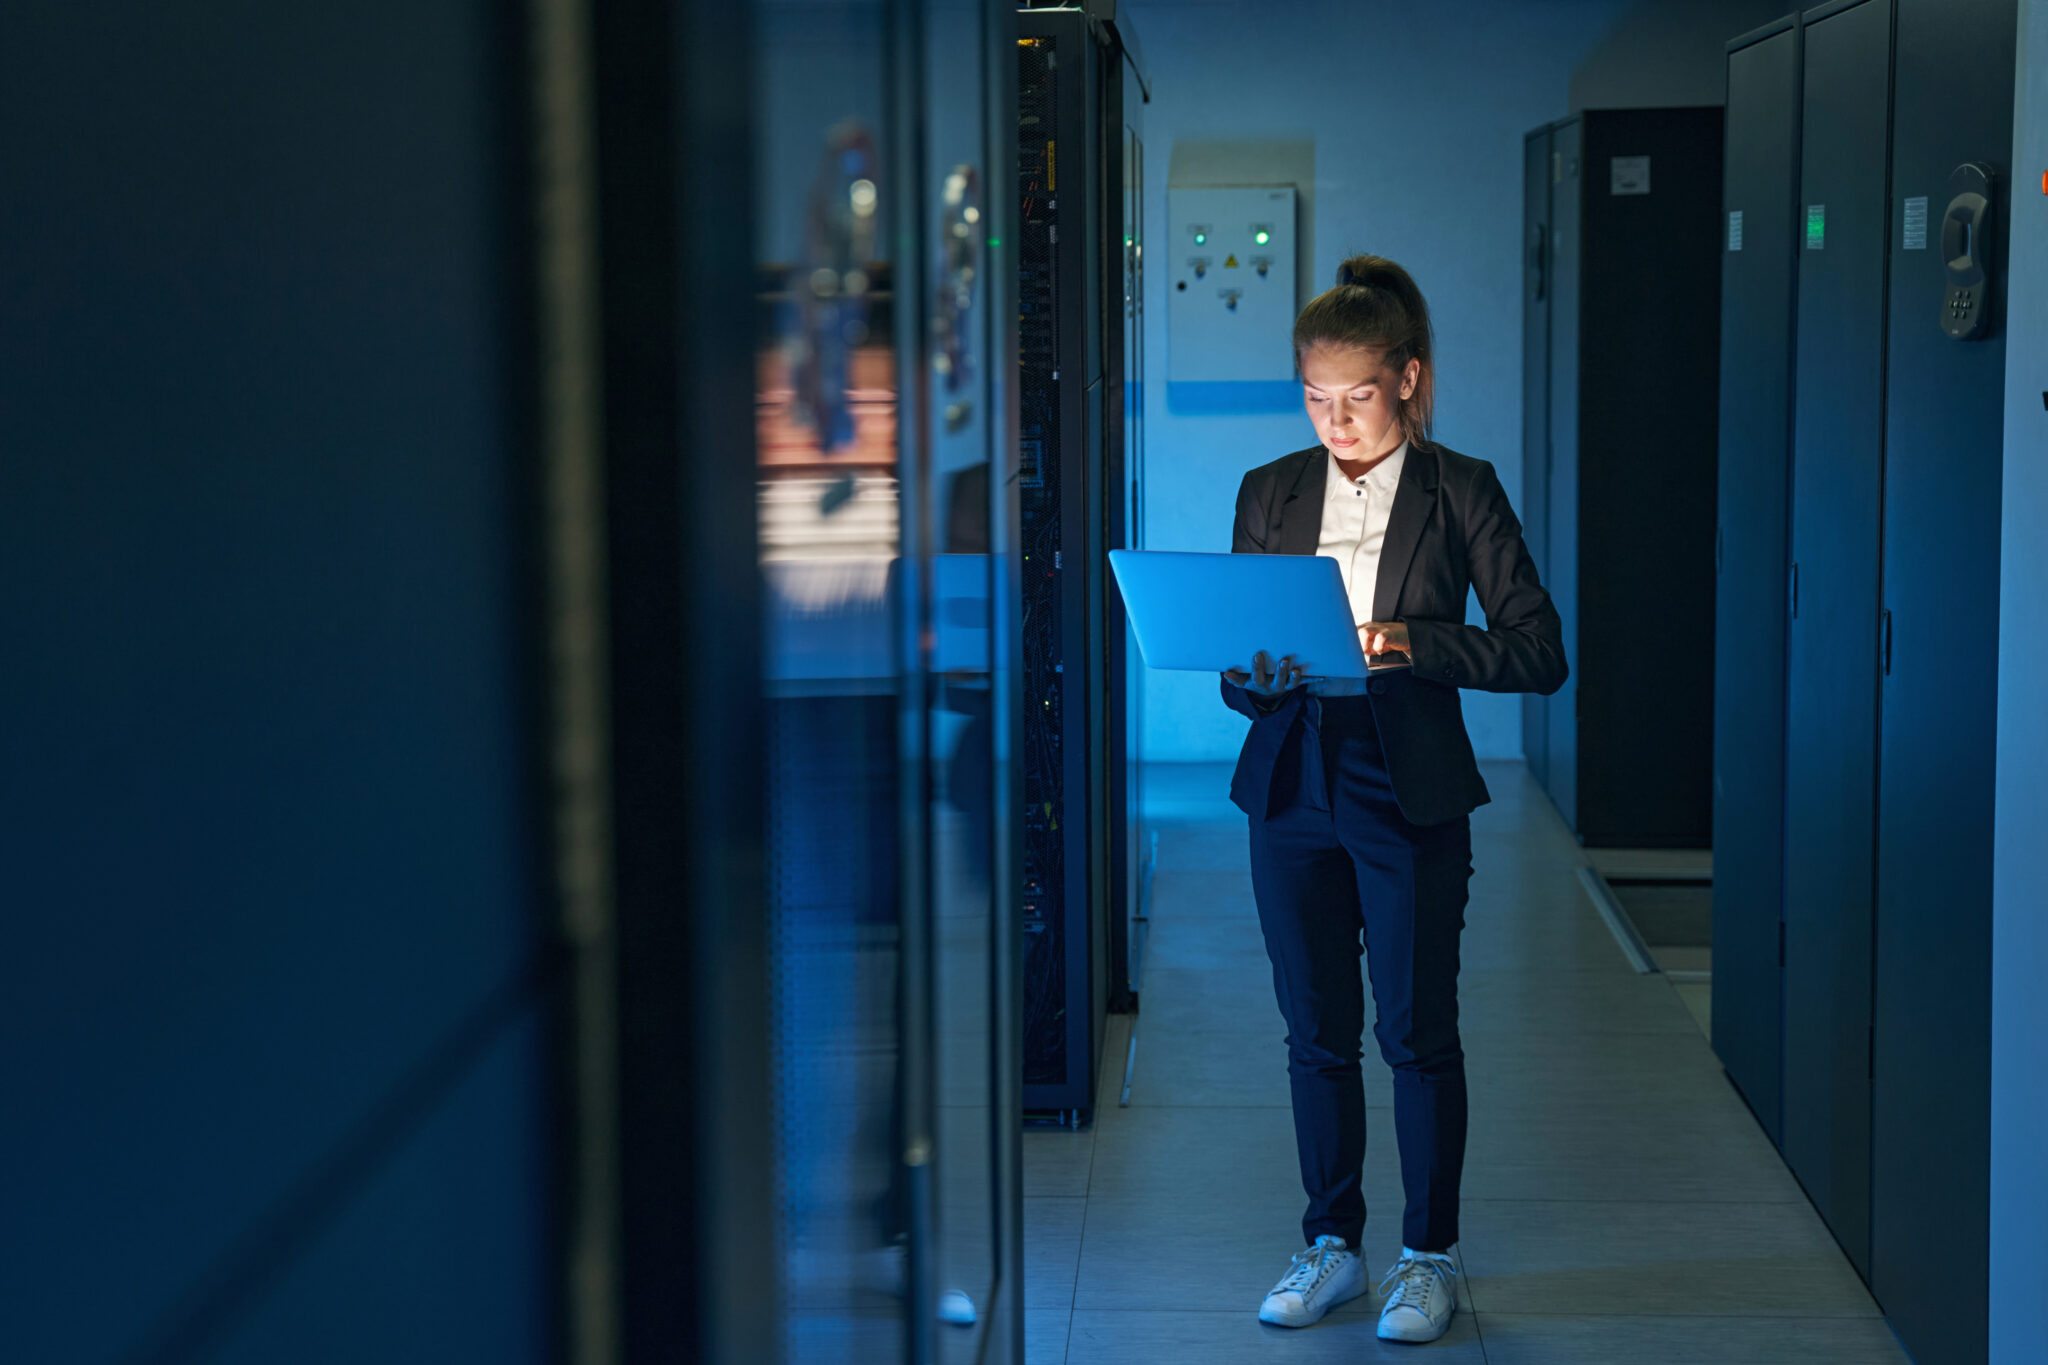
1560	495
1070	266
1952	89
1125	93
1633	360
1759	262
1831	687
1535	509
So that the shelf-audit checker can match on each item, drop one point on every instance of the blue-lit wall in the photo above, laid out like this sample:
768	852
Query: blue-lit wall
1416	115
2019	944
271	1054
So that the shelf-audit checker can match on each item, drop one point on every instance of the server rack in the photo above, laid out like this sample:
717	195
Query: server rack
1630	387
1537	291
1070	286
1952	106
1903	106
1831	690
1759	261
1126	94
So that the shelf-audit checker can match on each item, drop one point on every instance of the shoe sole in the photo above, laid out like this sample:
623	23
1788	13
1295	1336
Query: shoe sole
1281	1318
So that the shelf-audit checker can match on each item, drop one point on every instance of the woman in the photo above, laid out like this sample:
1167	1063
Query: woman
1359	793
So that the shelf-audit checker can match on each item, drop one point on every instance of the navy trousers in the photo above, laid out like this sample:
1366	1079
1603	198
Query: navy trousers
1338	872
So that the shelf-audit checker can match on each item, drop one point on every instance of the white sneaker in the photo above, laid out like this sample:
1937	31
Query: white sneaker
1425	1294
1321	1277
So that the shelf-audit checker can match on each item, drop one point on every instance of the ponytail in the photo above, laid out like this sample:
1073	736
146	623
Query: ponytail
1375	306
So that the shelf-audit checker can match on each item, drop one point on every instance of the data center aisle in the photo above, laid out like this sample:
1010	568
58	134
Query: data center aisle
1620	1202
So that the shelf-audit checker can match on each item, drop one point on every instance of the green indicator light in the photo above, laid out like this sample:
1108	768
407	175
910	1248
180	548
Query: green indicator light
1816	227
1201	237
1262	238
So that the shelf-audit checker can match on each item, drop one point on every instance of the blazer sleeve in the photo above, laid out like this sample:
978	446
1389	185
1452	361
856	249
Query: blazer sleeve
1248	537
1521	648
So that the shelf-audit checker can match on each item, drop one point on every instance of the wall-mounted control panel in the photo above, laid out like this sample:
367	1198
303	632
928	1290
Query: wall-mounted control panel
1230	301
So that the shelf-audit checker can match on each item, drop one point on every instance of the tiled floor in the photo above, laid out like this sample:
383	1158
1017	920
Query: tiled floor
1620	1203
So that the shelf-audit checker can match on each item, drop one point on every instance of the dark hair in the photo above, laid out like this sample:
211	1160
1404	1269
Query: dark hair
1375	306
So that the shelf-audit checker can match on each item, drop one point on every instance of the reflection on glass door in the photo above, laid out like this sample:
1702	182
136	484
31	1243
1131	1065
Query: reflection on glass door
877	431
961	426
830	530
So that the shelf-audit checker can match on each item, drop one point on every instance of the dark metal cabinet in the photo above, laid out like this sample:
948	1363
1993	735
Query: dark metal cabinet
1632	352
1758	263
1561	496
1943	415
1535	501
1890	661
1070	167
1831	707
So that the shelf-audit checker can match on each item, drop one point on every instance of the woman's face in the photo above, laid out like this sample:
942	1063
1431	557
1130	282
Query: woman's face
1354	398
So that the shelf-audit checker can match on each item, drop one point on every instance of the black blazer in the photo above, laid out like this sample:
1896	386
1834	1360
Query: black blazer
1450	529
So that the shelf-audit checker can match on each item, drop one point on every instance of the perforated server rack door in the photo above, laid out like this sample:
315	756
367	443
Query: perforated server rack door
1061	437
1758	262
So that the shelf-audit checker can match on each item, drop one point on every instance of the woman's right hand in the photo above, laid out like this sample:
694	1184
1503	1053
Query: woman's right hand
1265	678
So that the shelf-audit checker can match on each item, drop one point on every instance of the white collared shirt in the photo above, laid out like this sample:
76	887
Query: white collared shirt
1355	513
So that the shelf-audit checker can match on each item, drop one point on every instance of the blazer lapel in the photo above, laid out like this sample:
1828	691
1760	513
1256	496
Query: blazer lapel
1414	499
1301	513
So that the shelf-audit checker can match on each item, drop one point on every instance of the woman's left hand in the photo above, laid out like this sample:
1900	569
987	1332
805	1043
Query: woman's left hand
1384	637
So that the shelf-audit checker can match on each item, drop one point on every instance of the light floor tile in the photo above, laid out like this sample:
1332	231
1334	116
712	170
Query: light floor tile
1052	1249
1698	999
1612	1150
1110	1337
1207	941
1188	893
1585	1257
1056	1161
1567	1340
1045	1335
1569	1002
1243	1157
1631	1070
